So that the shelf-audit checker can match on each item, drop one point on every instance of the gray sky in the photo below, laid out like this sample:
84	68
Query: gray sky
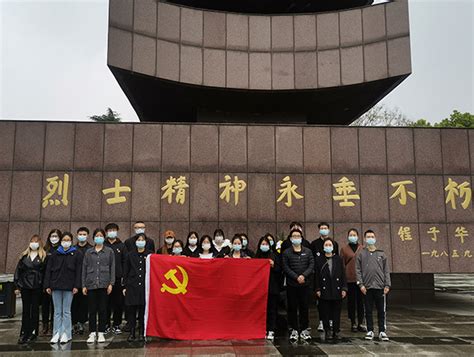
53	61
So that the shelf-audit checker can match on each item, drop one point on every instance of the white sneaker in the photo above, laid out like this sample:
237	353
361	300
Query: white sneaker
320	326
369	336
305	335
55	339
101	337
270	335
92	337
64	338
294	335
383	336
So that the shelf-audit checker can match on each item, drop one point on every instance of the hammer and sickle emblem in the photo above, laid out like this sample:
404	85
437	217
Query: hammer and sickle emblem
180	286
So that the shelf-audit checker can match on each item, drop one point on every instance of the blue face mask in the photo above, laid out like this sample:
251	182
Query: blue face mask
264	248
328	249
370	241
296	241
99	240
271	243
112	234
177	250
353	239
82	239
237	247
324	232
140	243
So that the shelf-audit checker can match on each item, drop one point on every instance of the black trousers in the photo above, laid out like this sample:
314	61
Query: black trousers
47	308
97	303
30	299
272	311
355	301
331	310
377	297
79	308
132	311
116	305
298	307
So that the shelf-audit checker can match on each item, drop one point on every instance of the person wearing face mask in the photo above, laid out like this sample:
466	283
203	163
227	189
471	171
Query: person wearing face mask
177	249
47	309
79	301
318	250
237	250
98	278
139	227
355	301
28	280
220	246
271	240
331	287
264	251
134	287
206	251
373	280
298	266
245	245
167	248
284	245
191	249
115	305
62	280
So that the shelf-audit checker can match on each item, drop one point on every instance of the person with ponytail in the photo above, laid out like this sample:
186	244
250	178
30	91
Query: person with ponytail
28	279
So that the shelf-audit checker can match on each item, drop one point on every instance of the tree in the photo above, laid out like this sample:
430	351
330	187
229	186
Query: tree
109	116
380	115
457	120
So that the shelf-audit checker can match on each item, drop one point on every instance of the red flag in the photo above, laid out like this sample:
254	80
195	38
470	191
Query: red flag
204	299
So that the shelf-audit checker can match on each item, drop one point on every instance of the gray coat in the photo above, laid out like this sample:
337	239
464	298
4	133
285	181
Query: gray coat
98	268
372	269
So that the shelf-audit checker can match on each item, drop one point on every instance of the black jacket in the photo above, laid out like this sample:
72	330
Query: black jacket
318	249
29	274
120	253
275	272
130	243
287	244
163	249
189	253
249	252
225	251
134	277
296	264
330	284
63	271
84	248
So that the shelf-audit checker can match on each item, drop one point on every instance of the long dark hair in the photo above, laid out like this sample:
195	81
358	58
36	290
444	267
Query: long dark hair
48	246
259	253
189	235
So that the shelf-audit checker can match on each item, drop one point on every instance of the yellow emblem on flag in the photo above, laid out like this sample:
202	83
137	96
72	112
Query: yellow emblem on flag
180	285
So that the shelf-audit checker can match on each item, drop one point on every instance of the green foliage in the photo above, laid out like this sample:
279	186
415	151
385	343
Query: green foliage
109	116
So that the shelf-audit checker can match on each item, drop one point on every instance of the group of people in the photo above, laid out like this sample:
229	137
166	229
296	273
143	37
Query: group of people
76	282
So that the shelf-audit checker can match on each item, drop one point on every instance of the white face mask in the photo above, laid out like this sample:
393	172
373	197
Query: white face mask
66	244
206	246
34	245
193	241
219	239
54	240
139	230
169	240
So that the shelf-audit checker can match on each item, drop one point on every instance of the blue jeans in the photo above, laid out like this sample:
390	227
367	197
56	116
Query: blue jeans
62	300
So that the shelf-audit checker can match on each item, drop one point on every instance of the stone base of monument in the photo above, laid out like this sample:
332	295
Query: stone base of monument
412	288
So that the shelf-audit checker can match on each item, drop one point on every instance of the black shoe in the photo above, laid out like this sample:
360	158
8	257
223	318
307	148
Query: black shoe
45	328
327	335
131	337
336	336
141	338
354	328
361	328
32	338
22	340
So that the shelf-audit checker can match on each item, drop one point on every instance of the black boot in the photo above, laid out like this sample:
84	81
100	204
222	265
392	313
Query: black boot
131	337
